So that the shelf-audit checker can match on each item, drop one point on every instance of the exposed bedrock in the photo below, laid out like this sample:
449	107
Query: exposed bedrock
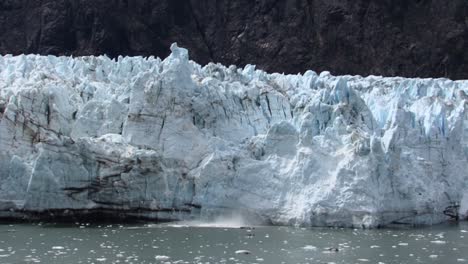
411	38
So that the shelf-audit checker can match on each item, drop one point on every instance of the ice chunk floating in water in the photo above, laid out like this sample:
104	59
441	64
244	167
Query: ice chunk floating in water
174	140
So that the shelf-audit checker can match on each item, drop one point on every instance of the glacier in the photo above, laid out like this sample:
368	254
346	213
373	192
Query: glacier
172	140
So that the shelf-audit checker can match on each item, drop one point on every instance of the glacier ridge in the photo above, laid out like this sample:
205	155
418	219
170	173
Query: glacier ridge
172	140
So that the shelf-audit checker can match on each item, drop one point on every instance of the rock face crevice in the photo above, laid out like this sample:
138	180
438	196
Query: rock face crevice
170	139
365	37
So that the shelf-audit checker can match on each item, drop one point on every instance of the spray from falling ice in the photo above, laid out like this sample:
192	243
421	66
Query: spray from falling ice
228	220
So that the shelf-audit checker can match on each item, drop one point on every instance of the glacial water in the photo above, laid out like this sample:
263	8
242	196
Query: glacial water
218	243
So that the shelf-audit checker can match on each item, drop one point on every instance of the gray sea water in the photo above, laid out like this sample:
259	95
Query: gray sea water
218	243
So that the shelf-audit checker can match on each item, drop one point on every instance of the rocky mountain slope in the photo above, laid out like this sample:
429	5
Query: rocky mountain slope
417	38
172	140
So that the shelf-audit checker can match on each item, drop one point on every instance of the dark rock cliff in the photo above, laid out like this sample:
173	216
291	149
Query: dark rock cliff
423	38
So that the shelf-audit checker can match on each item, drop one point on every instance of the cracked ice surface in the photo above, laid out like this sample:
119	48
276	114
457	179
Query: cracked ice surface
173	140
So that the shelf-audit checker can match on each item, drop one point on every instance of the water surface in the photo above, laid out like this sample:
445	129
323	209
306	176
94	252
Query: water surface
169	243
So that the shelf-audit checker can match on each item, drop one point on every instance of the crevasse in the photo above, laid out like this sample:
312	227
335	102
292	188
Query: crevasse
173	140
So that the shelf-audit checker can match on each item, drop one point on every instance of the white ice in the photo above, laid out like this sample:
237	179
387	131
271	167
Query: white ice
182	141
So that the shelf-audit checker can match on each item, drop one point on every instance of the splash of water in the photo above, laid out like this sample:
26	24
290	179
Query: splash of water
233	220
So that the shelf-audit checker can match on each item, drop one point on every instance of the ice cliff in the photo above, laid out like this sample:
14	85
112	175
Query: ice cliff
173	140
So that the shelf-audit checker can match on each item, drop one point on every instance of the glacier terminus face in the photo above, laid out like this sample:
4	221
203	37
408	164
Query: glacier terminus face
172	140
